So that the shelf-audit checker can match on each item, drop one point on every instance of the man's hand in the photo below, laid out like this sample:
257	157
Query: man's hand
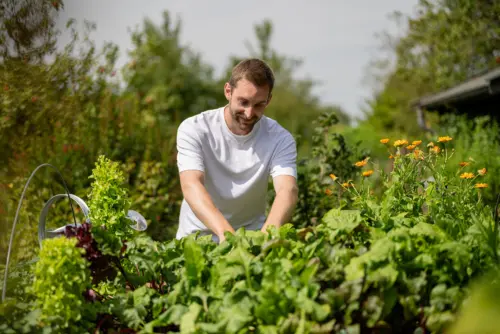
284	203
196	195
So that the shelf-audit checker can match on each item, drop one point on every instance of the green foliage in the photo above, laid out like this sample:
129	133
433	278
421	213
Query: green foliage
330	154
171	79
109	204
480	312
396	252
134	125
154	192
397	263
476	142
27	29
61	277
444	43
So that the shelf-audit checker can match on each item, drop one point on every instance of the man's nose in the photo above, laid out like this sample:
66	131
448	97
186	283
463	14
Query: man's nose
249	113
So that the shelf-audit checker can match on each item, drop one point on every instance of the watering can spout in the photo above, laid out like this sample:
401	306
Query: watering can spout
140	221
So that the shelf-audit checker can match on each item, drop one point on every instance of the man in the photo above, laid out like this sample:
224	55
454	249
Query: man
226	156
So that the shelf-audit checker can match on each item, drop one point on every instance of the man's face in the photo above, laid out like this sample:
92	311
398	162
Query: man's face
246	105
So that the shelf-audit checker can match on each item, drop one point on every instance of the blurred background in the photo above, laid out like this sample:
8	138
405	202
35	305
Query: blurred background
85	78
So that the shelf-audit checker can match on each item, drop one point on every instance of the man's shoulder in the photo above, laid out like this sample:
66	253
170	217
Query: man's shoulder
277	131
201	117
199	122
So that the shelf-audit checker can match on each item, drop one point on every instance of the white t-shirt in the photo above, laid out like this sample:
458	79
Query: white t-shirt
237	168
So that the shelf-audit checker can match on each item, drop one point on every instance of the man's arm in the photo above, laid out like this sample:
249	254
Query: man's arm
196	195
284	174
284	203
192	173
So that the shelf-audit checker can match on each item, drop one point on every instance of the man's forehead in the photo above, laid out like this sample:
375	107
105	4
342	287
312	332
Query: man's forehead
251	92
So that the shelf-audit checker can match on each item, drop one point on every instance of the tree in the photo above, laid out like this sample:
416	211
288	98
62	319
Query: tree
27	29
446	42
171	79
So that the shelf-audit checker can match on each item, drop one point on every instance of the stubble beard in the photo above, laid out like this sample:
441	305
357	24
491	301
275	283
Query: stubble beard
240	122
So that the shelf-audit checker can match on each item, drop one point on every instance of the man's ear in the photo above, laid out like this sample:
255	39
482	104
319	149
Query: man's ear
269	99
227	91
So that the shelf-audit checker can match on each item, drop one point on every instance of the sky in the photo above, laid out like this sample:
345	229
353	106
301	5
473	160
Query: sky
336	39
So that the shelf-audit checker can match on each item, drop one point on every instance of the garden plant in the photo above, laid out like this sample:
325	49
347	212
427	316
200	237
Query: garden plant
402	262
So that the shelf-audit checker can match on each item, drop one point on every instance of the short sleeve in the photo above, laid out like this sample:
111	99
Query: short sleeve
284	160
189	150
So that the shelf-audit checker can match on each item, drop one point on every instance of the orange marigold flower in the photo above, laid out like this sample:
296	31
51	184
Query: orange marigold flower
464	163
328	192
444	139
482	172
384	141
481	185
333	177
400	142
418	154
368	173
436	149
416	142
411	147
391	157
361	163
346	184
467	175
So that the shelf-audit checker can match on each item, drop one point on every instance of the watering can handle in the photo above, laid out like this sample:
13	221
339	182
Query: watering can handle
43	214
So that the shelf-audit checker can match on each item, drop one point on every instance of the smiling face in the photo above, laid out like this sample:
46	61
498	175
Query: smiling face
247	102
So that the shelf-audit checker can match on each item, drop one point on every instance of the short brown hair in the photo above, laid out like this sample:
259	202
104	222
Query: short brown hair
254	70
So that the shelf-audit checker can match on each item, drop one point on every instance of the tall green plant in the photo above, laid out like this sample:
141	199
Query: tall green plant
108	205
477	145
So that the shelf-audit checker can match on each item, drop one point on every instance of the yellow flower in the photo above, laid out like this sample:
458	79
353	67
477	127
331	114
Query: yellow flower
416	142
482	172
436	149
400	142
346	184
481	185
431	144
411	147
384	141
333	177
467	175
444	139
328	192
418	154
368	173
464	163
361	163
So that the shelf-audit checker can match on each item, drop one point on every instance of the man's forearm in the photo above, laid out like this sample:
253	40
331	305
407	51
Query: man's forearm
282	209
203	207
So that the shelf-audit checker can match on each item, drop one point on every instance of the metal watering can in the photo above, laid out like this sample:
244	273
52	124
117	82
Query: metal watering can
138	221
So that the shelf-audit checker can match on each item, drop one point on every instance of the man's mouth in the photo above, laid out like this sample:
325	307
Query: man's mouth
245	122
